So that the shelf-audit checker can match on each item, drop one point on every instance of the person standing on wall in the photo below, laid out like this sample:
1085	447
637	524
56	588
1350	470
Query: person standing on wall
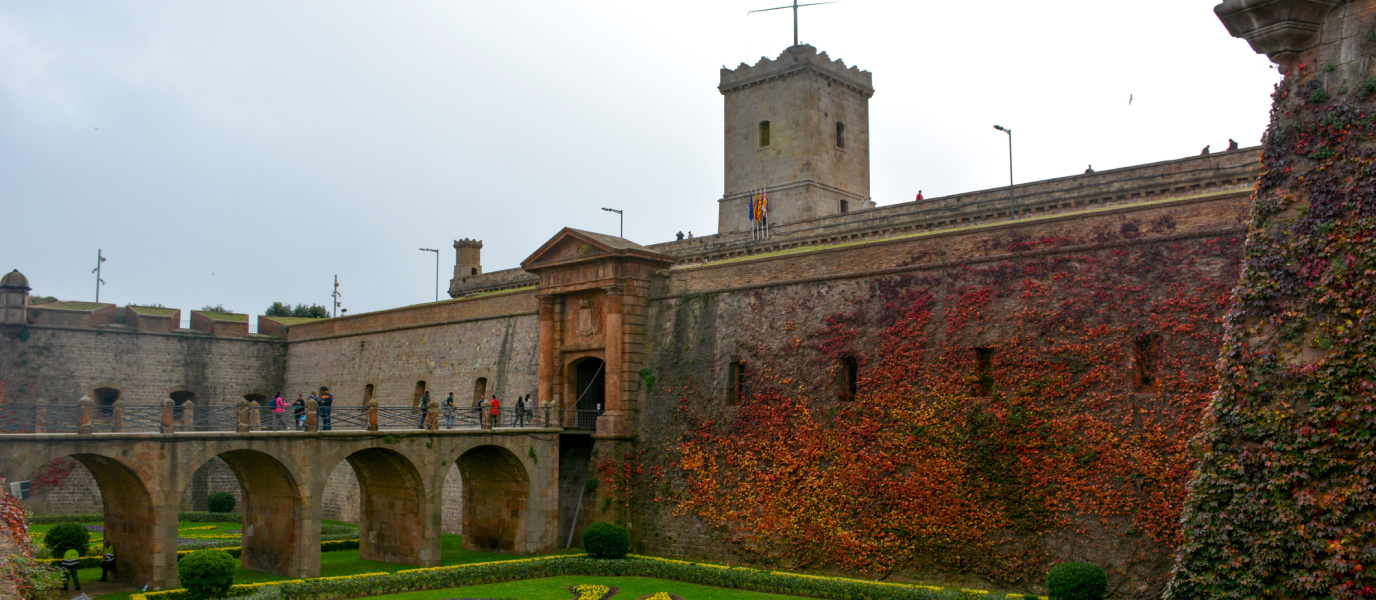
71	561
424	408
496	410
298	410
520	412
107	562
279	413
325	402
449	410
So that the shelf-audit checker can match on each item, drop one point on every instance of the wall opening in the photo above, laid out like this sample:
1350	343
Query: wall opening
588	385
129	524
272	513
764	133
735	382
259	398
479	390
181	397
106	396
847	378
845	206
368	393
840	135
982	384
473	271
419	393
1146	355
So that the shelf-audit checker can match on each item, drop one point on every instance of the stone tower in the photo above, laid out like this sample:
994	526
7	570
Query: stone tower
801	126
14	297
468	255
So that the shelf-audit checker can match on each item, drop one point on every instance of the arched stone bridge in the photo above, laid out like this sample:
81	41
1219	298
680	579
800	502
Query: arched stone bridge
510	488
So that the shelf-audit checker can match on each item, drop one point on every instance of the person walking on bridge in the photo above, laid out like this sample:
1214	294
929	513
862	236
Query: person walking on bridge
323	409
279	413
449	410
298	410
520	411
496	410
424	408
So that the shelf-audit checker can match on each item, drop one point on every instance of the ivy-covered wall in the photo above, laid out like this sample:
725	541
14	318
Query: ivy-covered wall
1284	502
973	422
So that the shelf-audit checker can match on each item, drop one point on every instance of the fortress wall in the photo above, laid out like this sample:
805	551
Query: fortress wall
448	345
59	365
789	318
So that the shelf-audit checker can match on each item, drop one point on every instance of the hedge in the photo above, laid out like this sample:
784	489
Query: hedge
93	562
193	517
745	578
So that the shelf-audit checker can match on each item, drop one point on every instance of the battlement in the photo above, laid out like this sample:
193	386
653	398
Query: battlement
795	60
467	243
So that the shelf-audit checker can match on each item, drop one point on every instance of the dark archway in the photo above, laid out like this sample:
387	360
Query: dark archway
587	392
391	499
130	518
496	489
272	512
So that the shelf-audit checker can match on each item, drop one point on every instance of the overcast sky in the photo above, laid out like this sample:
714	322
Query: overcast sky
245	152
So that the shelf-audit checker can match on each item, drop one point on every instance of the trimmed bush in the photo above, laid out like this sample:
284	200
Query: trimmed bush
65	536
220	502
207	573
604	540
1076	581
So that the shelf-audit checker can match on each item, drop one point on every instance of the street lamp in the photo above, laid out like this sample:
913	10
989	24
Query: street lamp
623	219
1012	206
437	271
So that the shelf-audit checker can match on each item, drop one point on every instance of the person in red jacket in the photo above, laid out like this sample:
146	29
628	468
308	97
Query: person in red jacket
496	410
919	196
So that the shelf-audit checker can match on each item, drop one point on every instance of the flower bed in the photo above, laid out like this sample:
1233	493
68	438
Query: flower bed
744	578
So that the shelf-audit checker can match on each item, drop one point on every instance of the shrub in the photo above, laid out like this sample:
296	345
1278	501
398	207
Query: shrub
220	502
1076	581
206	573
65	536
604	540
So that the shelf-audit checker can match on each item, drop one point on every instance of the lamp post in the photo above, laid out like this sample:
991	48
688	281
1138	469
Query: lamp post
437	271
1012	203
623	220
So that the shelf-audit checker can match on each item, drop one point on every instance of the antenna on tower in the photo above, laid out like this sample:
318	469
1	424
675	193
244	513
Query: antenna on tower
99	282
795	6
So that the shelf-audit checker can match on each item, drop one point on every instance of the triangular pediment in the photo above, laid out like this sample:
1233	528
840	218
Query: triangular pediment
574	245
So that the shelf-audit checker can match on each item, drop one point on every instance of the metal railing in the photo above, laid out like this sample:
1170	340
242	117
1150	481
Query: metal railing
39	419
85	418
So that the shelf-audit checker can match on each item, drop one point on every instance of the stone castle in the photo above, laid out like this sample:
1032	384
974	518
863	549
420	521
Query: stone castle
677	344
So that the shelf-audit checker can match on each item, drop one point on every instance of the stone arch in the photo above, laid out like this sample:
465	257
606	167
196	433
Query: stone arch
496	491
392	509
131	499
274	515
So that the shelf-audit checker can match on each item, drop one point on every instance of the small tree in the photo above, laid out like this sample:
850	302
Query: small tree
220	502
314	311
1076	581
604	540
278	310
67	536
219	308
206	573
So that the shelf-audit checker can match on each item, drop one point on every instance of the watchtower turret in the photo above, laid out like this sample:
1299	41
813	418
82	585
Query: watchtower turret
14	297
800	126
467	261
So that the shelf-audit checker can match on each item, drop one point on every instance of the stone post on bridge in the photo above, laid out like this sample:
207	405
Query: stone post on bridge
84	415
169	416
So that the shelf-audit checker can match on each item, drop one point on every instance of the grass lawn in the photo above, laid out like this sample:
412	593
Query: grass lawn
556	588
346	562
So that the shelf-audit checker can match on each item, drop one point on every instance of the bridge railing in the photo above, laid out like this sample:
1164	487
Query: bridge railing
577	418
39	419
208	418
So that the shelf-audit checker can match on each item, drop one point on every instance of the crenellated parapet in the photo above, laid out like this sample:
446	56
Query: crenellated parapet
793	61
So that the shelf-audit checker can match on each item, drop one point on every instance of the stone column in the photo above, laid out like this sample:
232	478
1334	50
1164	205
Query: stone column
548	347
313	415
84	415
169	416
117	416
612	421
243	417
372	415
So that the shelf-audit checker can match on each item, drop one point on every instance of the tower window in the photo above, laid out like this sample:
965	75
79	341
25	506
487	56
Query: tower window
1146	352
840	135
479	390
983	376
473	271
845	206
847	378
764	133
735	383
367	393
